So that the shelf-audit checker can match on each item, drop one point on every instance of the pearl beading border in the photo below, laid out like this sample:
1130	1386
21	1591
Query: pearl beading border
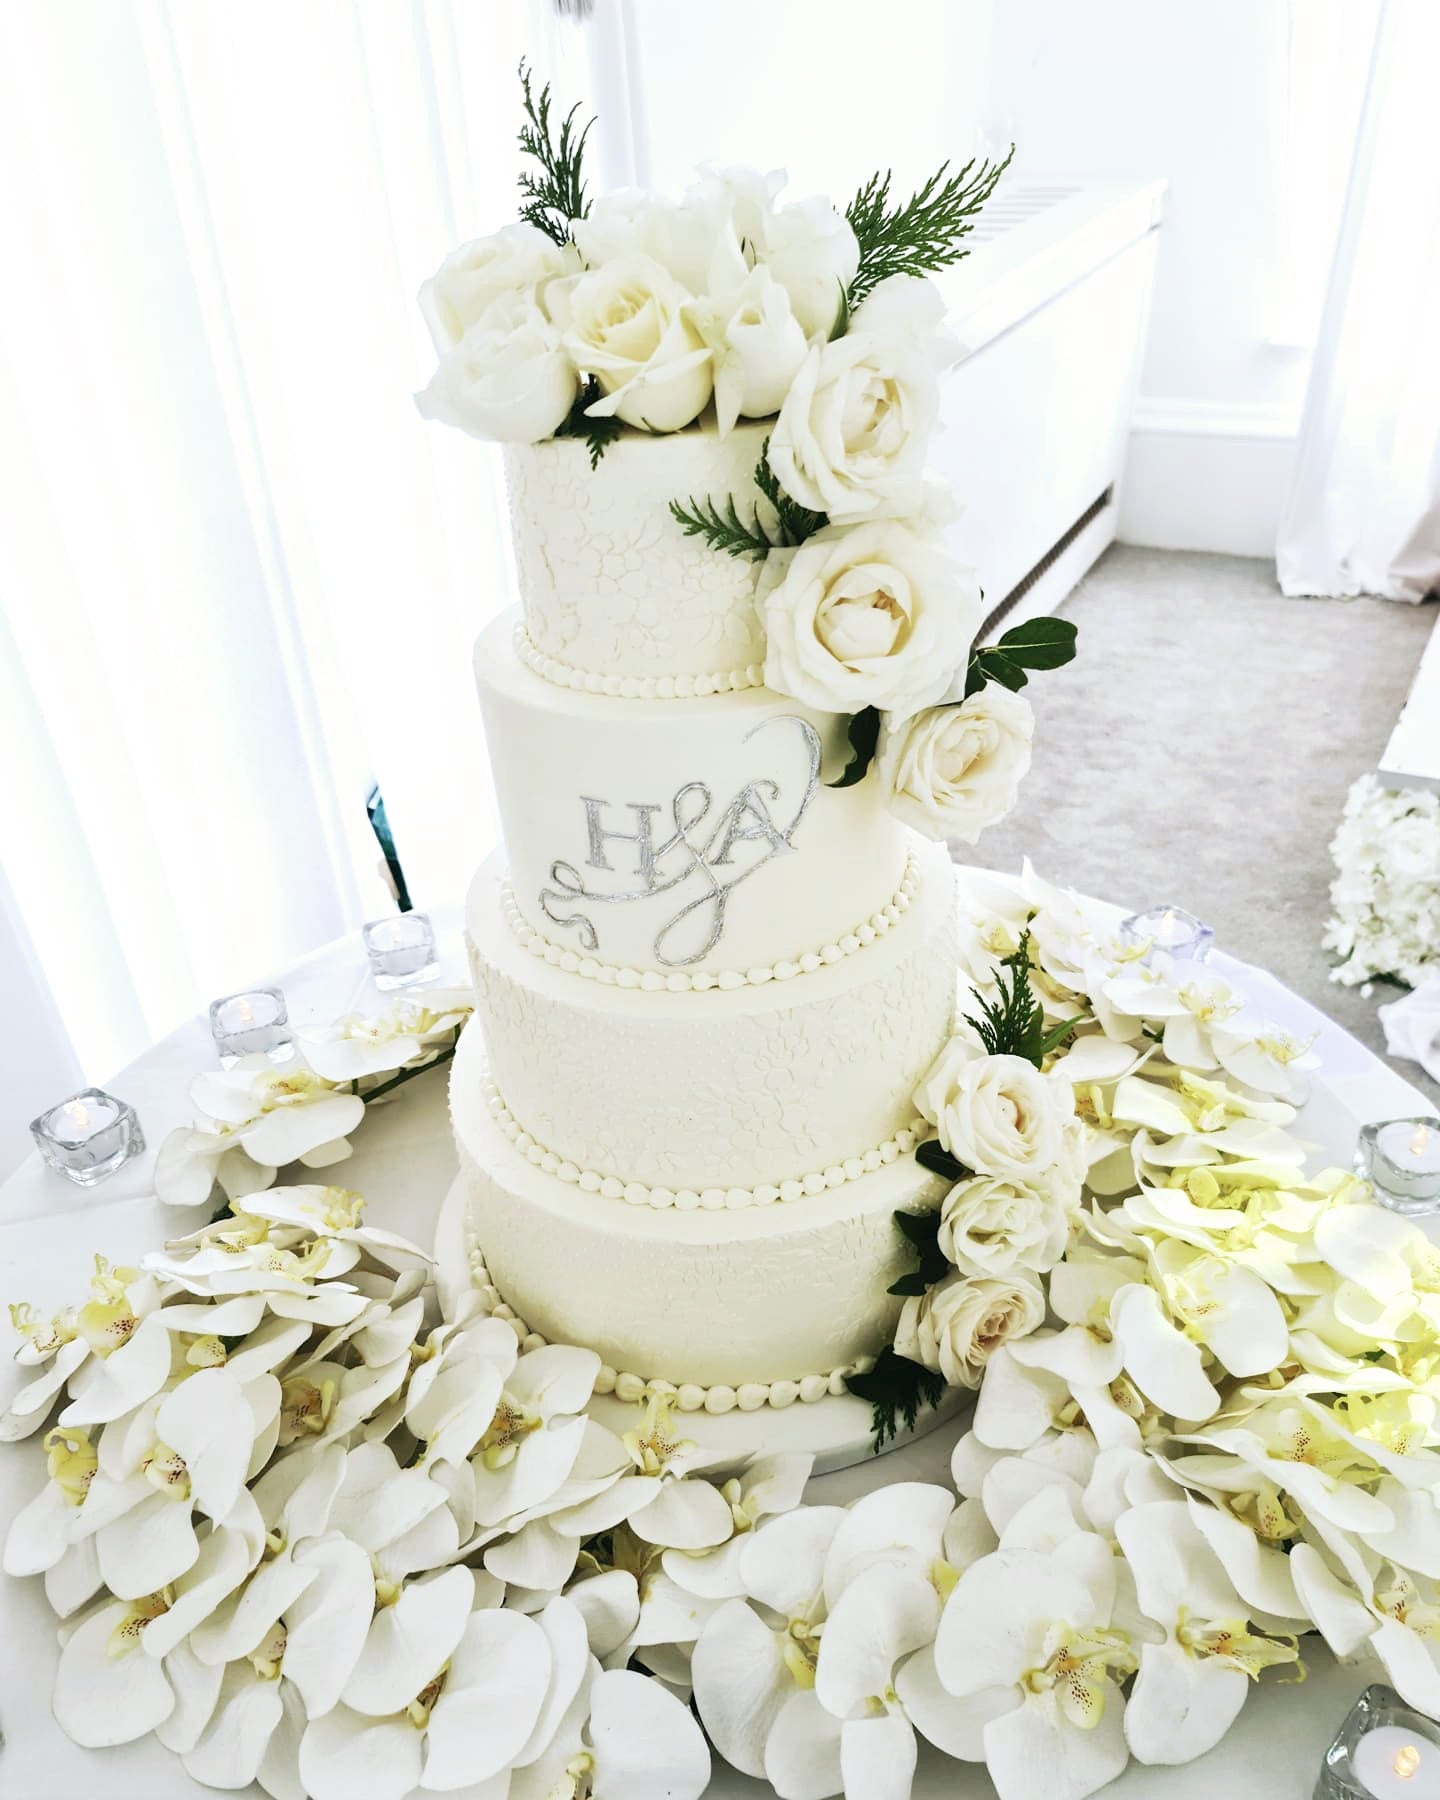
662	1199
688	1396
634	687
679	981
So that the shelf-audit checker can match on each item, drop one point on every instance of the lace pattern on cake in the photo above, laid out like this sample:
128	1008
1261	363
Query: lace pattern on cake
634	687
689	1396
638	1193
684	981
607	579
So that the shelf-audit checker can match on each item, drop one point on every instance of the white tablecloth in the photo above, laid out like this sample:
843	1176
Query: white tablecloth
404	1163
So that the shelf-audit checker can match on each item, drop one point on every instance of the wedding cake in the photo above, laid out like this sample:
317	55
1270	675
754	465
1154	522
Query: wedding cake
734	712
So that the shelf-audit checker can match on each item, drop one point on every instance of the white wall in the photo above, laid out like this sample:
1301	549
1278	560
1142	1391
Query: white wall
1198	94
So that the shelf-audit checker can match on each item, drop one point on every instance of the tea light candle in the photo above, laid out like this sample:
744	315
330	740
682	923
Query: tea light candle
1169	928
1384	1750
401	950
255	1021
88	1136
1400	1158
1396	1764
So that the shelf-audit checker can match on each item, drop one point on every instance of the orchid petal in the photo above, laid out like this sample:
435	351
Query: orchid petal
881	1616
346	1756
1181	1705
902	1523
537	1556
233	1744
1410	1665
240	1623
609	1605
953	1725
148	1547
783	1563
39	1534
741	1683
327	1624
555	1379
541	1464
196	1687
409	1642
100	1698
1017	1404
75	1580
802	1755
1165	1365
225	1558
565	1633
647	1746
107	1387
492	1697
1034	1750
684	1515
1017	1593
877	1757
207	1422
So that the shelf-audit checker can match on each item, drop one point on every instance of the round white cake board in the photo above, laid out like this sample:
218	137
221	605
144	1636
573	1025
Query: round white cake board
835	1430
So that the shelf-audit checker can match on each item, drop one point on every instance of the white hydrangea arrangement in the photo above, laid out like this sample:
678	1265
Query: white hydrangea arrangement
1386	891
637	311
310	1535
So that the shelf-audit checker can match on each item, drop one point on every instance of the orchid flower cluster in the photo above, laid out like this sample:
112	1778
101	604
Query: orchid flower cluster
1386	892
309	1535
255	1117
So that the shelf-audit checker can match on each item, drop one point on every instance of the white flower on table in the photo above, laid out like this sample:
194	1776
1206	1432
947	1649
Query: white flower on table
100	1347
767	1486
412	1033
631	325
957	1325
851	437
952	770
509	380
519	260
1031	1641
535	1433
624	1738
998	1115
682	1515
1190	1688
866	615
254	1119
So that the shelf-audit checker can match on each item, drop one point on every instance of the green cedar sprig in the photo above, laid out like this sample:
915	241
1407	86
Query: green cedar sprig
723	528
1013	1023
600	433
553	193
922	234
896	1389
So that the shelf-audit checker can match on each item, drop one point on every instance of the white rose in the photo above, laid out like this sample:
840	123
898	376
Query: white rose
629	324
811	251
956	1326
952	770
757	346
913	307
998	1115
851	437
508	380
518	260
617	225
866	615
991	1225
698	241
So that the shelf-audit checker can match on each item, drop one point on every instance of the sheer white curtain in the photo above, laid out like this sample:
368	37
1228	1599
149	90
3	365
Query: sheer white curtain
240	579
1363	514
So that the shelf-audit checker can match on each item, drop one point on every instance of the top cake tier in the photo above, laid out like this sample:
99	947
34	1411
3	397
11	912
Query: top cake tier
615	597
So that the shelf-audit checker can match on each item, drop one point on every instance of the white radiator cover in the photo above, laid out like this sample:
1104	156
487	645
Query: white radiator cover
1050	308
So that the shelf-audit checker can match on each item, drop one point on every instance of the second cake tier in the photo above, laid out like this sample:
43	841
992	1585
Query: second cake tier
772	1088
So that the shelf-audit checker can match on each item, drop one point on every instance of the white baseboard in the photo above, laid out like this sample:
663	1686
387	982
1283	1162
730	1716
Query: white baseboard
1206	475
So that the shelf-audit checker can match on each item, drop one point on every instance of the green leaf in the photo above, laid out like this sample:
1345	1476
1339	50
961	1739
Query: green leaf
864	735
1057	1034
1012	1024
933	1155
552	193
999	667
896	1389
599	433
1044	643
908	1284
793	522
922	234
722	529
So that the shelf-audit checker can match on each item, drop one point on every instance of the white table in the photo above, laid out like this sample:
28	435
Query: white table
404	1163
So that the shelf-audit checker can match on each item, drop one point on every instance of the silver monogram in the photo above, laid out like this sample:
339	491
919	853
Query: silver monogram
705	862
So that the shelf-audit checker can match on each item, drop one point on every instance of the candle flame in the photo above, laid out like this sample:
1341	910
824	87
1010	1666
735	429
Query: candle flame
1167	918
1420	1140
1407	1761
76	1113
247	1016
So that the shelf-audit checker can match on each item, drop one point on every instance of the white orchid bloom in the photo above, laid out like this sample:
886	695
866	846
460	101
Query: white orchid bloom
534	1436
1357	1599
1190	1688
266	1115
682	1515
767	1486
411	1034
334	1214
1030	1642
98	1349
624	1738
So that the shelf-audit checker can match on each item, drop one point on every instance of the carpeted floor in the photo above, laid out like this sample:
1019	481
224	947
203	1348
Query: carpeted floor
1199	749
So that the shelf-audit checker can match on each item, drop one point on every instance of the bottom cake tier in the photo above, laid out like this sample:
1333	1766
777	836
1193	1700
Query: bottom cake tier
751	1306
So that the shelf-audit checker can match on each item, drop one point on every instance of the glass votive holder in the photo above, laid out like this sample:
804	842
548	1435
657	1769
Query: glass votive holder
1383	1751
257	1021
88	1136
1400	1158
1169	928
401	950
